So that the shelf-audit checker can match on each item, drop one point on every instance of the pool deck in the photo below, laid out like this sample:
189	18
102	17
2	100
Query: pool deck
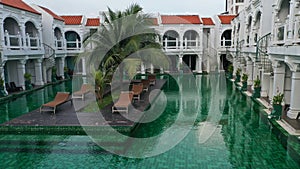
69	113
292	126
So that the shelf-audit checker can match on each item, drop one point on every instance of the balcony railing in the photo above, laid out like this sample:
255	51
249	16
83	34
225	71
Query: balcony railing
59	44
73	45
297	31
226	42
176	45
15	42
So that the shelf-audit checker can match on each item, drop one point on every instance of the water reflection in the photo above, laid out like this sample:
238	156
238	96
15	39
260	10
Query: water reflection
16	107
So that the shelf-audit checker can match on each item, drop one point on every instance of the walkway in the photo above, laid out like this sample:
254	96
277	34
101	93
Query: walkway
67	116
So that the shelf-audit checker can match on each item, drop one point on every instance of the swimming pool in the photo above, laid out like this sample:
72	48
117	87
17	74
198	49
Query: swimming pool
241	139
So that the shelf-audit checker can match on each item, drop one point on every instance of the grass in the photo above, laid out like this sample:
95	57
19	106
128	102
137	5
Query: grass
95	107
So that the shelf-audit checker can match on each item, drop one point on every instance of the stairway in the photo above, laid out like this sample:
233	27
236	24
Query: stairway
262	56
49	61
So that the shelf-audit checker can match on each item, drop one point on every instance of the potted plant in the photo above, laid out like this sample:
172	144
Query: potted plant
244	81
2	91
238	75
277	104
230	71
53	76
257	88
66	73
27	77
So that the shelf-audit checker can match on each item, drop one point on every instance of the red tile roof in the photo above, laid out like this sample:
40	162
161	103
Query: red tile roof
93	22
180	19
207	21
52	13
19	4
226	19
154	21
72	20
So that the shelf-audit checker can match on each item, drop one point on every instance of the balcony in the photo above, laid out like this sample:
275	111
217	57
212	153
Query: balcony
15	42
187	45
74	45
280	33
226	42
59	44
297	31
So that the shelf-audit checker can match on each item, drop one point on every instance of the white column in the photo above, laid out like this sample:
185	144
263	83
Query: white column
23	35
255	70
142	68
83	66
21	72
265	84
295	96
151	68
38	72
199	63
249	71
180	61
271	88
279	73
291	22
61	65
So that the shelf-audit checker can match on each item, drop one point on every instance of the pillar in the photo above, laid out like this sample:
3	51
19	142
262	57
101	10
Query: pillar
249	71
21	72
295	96
61	65
265	84
279	73
199	64
142	68
38	72
180	61
290	33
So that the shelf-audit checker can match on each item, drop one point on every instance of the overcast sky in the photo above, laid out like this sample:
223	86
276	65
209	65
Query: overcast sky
91	8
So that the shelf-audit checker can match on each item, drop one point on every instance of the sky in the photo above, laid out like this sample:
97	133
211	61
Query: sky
91	8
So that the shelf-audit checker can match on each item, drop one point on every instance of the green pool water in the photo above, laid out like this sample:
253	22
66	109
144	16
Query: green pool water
241	138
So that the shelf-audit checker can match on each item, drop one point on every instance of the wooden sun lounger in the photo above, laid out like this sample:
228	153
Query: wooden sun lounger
85	88
60	98
152	79
146	84
137	90
123	103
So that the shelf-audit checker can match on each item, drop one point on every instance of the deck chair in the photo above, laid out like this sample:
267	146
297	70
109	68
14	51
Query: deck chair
146	84
152	79
137	90
85	88
14	87
60	98
123	102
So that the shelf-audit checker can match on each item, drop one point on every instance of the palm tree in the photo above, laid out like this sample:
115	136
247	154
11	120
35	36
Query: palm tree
121	35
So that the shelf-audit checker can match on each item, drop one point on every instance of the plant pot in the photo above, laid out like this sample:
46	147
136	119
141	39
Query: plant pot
277	110
229	75
28	85
66	75
244	87
256	92
2	92
237	78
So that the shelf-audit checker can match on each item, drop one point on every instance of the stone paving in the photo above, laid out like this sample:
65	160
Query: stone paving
66	115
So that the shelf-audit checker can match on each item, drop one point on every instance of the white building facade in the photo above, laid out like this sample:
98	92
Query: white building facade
266	45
